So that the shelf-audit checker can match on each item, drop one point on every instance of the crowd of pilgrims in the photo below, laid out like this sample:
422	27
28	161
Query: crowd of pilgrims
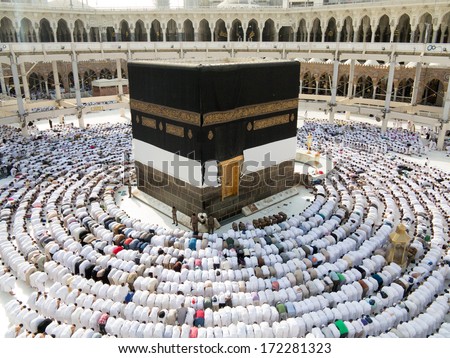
97	272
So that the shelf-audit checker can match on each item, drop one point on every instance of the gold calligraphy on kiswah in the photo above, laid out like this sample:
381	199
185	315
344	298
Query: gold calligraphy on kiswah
149	122
249	111
166	112
270	122
175	130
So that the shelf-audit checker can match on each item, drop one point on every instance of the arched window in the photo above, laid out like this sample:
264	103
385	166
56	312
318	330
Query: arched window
156	32
252	33
364	87
316	31
125	33
171	31
204	31
7	32
27	33
79	32
331	32
45	31
188	31
220	31
302	32
433	93
140	33
405	89
62	31
105	73
365	30
236	32
403	29
269	32
383	32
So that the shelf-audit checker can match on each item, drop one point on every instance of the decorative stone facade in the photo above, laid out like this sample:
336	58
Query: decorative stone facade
190	199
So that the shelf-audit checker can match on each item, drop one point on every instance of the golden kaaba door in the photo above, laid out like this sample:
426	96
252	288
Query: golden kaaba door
230	174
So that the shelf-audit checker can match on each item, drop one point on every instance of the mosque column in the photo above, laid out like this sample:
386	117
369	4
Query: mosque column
443	29
46	87
435	33
77	90
355	34
374	94
416	84
119	77
413	36
301	86
350	91
334	83
20	104
389	87
445	124
372	39
2	79
55	34
392	33
395	93
317	86
56	79
26	88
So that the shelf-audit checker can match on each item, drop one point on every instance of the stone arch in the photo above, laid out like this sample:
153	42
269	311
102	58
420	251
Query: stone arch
316	31
331	31
51	81
302	32
124	29
381	89
433	93
364	87
403	30
325	84
79	32
286	34
404	90
342	87
347	30
236	31
88	77
140	33
365	30
110	34
105	73
94	34
204	31
171	31
252	33
424	29
7	31
156	33
383	31
188	30
36	84
269	33
220	31
45	31
443	35
27	33
62	31
308	83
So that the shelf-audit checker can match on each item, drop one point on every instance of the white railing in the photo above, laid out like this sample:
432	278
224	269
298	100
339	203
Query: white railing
323	50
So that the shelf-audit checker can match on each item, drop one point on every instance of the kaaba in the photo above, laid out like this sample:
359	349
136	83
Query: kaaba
214	136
